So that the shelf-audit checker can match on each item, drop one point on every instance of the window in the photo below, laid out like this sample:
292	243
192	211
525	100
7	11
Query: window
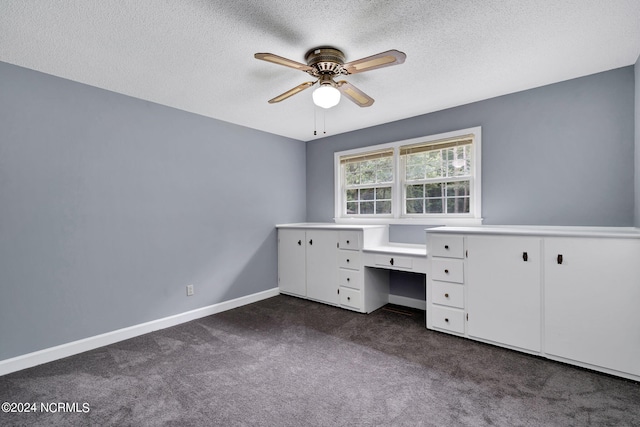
435	179
368	183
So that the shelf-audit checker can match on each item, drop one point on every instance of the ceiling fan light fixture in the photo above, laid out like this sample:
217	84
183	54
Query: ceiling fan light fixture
326	96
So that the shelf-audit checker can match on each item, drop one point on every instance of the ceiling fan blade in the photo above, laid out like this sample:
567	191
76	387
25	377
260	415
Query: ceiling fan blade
291	92
270	57
380	60
354	94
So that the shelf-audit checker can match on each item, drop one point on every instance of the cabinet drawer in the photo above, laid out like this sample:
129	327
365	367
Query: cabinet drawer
351	298
447	270
393	261
448	246
450	294
450	319
349	240
350	278
349	259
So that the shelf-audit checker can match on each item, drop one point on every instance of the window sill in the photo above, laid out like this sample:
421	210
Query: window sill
427	222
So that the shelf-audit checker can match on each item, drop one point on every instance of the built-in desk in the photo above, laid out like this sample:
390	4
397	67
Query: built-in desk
343	265
397	256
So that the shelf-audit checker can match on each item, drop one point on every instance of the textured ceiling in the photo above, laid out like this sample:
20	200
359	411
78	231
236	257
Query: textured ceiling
197	55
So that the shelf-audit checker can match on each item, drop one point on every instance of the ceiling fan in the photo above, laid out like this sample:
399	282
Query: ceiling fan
327	63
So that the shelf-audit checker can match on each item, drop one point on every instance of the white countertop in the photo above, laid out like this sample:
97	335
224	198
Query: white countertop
533	230
399	249
328	226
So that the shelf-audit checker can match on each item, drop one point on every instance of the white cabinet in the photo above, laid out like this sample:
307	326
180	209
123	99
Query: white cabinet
592	301
307	264
292	264
503	290
445	283
350	269
486	287
322	266
566	294
359	289
326	264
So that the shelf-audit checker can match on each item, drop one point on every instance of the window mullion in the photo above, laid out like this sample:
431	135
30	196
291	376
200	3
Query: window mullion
373	185
437	180
399	179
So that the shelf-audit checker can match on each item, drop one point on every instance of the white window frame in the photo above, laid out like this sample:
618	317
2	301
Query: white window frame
344	163
397	217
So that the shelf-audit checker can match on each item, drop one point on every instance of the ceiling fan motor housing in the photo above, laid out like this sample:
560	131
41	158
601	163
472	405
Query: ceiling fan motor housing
325	61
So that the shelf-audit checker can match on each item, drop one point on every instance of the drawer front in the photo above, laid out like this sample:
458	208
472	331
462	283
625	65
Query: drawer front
447	270
351	298
450	294
349	240
448	246
349	259
350	278
450	319
392	261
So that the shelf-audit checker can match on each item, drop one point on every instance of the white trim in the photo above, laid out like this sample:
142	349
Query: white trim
426	222
46	355
408	302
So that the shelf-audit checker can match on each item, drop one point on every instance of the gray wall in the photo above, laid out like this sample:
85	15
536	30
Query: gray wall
637	122
110	206
556	155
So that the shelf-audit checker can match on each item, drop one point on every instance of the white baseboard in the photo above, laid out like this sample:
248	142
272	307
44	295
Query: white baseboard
29	360
408	302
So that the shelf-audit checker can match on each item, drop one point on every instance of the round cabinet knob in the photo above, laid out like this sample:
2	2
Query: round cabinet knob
348	298
446	271
347	242
446	246
446	320
347	259
446	295
348	279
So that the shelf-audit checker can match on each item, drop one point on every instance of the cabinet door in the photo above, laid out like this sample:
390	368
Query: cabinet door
292	262
592	301
322	266
504	286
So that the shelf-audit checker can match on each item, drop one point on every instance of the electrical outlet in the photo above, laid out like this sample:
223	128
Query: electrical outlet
189	290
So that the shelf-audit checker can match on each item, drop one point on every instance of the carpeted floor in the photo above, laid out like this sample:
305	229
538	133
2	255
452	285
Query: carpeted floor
290	362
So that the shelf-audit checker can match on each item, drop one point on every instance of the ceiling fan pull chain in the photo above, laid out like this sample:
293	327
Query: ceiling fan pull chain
324	120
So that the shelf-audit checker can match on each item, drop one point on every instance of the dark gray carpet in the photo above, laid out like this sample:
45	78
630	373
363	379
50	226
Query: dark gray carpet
290	362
